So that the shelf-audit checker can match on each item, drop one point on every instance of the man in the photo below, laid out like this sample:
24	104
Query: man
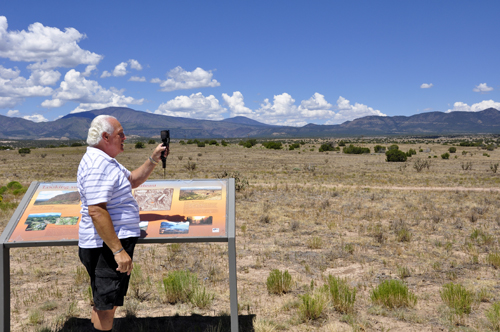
109	228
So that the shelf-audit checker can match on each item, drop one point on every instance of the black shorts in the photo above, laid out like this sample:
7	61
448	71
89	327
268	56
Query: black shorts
109	286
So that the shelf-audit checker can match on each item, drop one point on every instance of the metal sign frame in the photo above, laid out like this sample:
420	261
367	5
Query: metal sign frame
5	246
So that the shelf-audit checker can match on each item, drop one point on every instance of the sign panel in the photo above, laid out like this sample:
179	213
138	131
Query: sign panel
168	208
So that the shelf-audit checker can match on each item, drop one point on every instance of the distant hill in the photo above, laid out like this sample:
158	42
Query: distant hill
75	126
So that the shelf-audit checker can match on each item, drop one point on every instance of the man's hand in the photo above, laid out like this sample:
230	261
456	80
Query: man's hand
125	264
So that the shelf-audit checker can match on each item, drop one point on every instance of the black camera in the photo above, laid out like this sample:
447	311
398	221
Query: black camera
165	138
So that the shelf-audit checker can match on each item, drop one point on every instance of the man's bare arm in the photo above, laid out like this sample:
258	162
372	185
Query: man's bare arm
141	174
104	227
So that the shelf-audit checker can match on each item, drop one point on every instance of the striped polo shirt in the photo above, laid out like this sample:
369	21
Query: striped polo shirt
101	179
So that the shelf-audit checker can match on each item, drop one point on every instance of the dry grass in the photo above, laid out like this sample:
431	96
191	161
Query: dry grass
313	214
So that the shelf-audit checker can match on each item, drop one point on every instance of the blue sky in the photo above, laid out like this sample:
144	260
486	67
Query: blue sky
278	62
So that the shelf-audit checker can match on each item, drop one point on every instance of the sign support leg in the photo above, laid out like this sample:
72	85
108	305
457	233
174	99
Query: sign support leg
4	288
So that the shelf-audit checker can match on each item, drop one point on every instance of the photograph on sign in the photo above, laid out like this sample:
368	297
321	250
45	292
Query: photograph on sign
191	208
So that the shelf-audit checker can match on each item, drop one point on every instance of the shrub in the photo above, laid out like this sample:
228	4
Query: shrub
411	152
395	156
445	155
213	142
493	316
279	282
183	286
393	294
152	141
467	166
379	149
351	149
223	143
341	295
457	298
13	185
315	243
312	306
494	259
201	144
240	182
326	147
393	147
248	143
494	167
272	145
342	143
452	149
420	164
76	144
139	145
24	150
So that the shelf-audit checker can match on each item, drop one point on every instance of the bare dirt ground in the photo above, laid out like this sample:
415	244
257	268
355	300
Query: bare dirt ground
312	214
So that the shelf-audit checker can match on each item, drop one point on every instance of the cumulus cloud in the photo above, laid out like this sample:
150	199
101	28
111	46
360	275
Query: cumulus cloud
426	85
316	107
105	74
134	64
347	112
180	79
13	113
88	70
120	69
236	104
35	118
463	107
45	47
282	110
76	88
137	79
482	88
14	88
194	106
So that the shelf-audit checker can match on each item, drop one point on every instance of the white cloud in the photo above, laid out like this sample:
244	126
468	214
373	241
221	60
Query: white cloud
155	80
283	111
348	112
14	88
35	118
236	104
426	86
137	79
88	93
45	47
88	70
105	74
463	107
316	107
482	88
43	77
179	79
195	106
134	64
13	113
120	69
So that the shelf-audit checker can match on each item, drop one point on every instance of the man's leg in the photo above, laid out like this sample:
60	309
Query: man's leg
103	319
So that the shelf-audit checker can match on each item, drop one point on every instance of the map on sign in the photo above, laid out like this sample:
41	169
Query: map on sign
180	208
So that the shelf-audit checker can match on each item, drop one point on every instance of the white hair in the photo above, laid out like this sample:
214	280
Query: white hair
99	125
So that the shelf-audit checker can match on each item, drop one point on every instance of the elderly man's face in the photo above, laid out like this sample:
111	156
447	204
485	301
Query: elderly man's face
115	140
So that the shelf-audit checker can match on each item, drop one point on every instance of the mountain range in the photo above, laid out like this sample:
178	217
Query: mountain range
75	126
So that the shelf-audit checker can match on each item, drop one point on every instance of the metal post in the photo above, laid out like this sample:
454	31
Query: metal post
4	288
231	243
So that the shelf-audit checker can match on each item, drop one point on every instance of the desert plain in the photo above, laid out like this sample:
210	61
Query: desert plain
313	214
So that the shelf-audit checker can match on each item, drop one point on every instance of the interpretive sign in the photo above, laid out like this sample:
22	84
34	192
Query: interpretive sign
169	210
